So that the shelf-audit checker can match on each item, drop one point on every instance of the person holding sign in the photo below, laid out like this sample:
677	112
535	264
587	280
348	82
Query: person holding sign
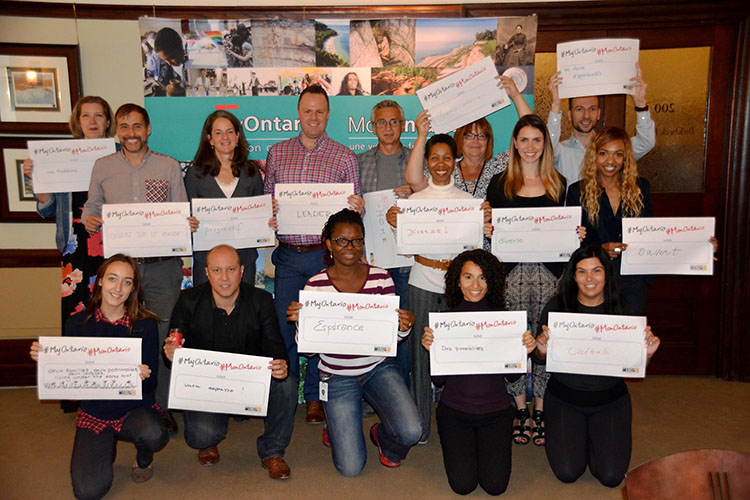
609	190
228	314
588	416
584	113
312	157
221	169
115	310
475	416
529	181
346	379
427	278
82	253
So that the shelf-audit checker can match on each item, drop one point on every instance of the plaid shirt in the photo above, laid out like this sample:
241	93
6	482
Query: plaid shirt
368	163
97	425
290	162
124	320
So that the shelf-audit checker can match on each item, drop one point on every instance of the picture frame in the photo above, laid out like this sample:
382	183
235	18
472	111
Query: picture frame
39	84
18	203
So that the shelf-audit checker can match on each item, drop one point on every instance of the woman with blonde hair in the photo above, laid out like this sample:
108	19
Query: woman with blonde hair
609	190
530	181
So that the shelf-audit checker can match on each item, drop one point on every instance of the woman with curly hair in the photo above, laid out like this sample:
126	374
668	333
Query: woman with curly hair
475	416
530	181
221	169
609	190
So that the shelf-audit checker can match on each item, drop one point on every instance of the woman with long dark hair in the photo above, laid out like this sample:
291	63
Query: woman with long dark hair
115	310
588	416
475	416
221	169
352	377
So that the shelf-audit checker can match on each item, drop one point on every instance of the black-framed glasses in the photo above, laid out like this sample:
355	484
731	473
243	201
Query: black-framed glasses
469	136
344	242
393	122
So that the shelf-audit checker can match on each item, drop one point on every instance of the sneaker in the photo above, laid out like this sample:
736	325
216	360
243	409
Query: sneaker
374	438
326	441
139	475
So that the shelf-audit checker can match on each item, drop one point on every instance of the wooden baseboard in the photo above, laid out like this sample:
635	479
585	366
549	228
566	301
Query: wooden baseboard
16	367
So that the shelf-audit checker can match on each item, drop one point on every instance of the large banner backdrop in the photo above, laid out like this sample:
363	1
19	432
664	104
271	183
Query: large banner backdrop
256	68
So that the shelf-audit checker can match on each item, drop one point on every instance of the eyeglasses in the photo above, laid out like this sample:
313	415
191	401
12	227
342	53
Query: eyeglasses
393	122
343	242
481	137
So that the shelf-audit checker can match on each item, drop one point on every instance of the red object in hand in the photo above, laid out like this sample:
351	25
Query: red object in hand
175	336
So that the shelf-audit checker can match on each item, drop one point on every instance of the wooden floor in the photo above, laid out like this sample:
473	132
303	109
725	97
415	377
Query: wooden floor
670	414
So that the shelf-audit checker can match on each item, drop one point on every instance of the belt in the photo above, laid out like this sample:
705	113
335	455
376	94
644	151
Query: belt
151	260
441	264
302	248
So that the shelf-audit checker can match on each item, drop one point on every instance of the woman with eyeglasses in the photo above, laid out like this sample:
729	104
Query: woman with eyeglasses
352	377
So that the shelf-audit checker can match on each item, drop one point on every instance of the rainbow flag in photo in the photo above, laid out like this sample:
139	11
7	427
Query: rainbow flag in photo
216	36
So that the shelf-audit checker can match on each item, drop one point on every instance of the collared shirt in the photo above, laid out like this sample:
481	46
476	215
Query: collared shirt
124	320
97	425
569	153
327	162
114	180
368	171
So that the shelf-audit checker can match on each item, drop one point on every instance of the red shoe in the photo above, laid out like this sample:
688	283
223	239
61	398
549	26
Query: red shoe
374	438
326	441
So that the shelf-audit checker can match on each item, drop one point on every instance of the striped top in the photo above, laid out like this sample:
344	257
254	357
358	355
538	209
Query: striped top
378	282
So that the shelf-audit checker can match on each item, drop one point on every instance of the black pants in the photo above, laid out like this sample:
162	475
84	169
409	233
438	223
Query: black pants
597	436
476	449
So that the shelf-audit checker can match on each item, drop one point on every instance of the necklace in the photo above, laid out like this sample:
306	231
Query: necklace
466	186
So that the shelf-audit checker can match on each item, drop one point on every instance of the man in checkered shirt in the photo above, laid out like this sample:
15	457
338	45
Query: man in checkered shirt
135	174
311	157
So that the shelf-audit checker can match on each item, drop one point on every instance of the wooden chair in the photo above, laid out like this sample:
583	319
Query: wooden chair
692	475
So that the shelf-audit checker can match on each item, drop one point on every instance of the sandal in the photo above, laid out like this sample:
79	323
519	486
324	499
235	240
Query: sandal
521	433
537	432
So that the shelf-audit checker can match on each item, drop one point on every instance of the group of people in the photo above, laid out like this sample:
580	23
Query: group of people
582	420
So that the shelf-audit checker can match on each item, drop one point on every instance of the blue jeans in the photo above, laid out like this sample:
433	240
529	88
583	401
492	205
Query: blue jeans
93	454
400	277
385	390
205	430
160	285
293	269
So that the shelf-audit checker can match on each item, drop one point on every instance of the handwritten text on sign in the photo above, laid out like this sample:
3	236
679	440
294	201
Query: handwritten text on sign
89	368
379	239
597	344
240	222
668	245
597	67
65	166
545	234
439	226
478	342
146	229
348	323
305	208
463	97
219	382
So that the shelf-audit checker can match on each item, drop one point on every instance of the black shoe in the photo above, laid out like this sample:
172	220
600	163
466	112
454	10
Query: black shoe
169	422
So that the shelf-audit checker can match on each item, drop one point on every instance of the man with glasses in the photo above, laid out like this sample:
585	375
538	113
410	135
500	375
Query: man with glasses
383	167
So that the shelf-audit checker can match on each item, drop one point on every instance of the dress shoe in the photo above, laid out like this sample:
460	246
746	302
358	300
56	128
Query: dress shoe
315	414
383	459
209	456
139	475
169	421
277	468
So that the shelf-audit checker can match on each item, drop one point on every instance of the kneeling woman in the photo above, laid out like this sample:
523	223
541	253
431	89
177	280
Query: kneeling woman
588	416
115	310
475	417
351	377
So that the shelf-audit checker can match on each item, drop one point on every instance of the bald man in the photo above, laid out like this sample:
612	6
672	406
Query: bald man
228	315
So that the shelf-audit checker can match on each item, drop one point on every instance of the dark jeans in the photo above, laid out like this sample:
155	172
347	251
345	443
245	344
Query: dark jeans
400	276
476	449
205	430
597	436
93	454
293	269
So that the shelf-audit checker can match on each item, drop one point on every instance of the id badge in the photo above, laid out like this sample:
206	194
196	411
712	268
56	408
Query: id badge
323	391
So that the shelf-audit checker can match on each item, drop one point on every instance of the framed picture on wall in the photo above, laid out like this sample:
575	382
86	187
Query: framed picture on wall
18	203
38	86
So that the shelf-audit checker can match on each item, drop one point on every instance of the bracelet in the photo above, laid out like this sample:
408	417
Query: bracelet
639	108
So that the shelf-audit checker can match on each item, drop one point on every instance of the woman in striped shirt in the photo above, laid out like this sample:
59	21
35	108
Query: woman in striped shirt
351	377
